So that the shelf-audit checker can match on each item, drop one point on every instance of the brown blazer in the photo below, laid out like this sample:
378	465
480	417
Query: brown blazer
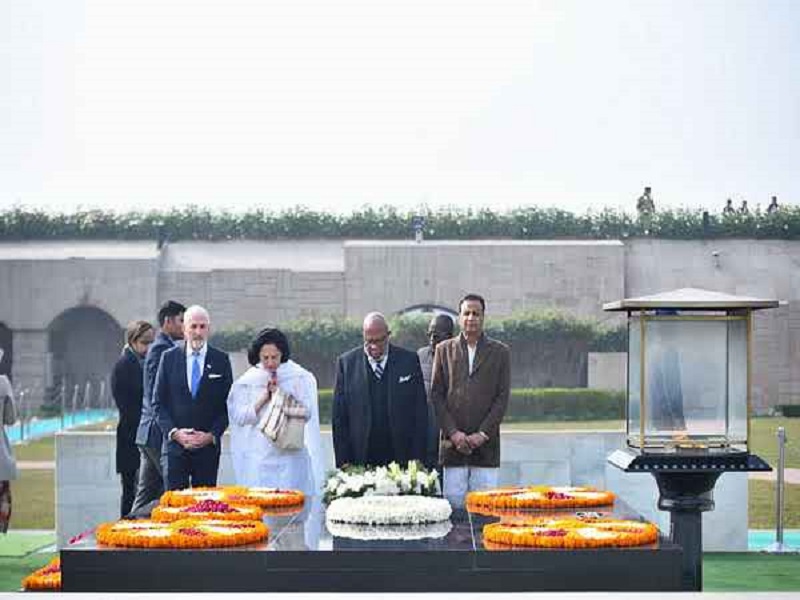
471	403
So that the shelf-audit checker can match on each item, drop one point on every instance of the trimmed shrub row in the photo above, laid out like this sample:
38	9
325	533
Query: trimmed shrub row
539	404
194	223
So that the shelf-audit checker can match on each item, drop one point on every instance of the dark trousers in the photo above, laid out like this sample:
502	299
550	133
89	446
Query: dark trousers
432	440
129	480
190	468
150	483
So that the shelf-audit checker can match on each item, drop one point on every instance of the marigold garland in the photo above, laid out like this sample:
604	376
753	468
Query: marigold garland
267	497
238	495
46	578
207	509
191	496
541	496
569	533
186	533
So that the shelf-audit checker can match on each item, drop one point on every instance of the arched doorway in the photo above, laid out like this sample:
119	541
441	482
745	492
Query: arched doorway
428	310
7	344
84	342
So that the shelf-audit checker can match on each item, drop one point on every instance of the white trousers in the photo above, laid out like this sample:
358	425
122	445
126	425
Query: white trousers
460	480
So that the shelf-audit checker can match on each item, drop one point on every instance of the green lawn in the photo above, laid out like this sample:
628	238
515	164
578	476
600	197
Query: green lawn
41	449
761	505
754	572
33	500
13	570
764	439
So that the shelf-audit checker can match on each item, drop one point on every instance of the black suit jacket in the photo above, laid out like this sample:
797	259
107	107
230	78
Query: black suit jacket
173	400
149	433
126	388
352	411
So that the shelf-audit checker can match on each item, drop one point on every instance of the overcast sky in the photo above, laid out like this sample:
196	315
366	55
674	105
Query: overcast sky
333	105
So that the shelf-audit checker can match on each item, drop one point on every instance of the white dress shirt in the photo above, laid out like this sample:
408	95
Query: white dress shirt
190	362
382	362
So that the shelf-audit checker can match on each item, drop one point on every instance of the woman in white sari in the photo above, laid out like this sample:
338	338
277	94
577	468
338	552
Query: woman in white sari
257	461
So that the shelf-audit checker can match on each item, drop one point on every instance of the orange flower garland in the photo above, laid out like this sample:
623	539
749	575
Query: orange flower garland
238	495
48	578
186	533
569	533
267	497
191	496
541	496
207	509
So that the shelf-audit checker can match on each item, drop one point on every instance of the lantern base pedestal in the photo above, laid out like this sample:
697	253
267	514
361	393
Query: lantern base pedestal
685	485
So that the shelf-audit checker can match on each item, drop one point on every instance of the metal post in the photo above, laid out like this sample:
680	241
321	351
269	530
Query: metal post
20	417
63	401
75	400
779	546
101	395
87	394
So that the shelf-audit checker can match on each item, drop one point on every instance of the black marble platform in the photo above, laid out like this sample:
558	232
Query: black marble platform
302	556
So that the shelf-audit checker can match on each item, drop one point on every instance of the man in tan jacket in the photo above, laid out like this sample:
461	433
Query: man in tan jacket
470	390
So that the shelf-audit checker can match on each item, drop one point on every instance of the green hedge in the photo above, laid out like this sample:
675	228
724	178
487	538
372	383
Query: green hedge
564	404
194	223
789	410
330	336
539	404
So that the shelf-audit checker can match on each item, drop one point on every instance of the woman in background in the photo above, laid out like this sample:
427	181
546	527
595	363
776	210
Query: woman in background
127	388
257	461
8	466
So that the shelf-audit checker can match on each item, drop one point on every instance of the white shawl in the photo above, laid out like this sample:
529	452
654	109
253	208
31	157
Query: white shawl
299	382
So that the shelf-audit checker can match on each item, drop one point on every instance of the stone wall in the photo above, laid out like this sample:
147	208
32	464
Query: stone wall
608	371
260	297
763	268
88	489
271	282
575	276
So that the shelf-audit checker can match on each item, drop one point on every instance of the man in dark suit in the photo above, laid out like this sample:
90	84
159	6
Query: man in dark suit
190	400
379	402
150	483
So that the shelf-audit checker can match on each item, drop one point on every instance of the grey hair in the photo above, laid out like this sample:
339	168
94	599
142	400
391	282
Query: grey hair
375	317
196	310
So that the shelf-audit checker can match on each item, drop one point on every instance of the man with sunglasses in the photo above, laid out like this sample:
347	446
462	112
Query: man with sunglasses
379	403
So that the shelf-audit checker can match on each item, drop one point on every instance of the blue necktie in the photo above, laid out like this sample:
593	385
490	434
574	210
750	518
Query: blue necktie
196	372
378	371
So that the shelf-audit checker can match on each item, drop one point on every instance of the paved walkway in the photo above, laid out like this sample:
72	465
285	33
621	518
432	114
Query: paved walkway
24	465
789	476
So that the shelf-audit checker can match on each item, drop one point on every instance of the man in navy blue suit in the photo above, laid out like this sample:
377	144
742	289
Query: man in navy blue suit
380	411
149	436
190	396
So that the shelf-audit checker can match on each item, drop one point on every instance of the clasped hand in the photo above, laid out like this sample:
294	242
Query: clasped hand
464	443
191	439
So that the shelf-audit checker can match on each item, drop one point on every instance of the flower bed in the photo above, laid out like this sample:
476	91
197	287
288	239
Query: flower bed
569	533
186	533
235	495
541	496
48	578
208	509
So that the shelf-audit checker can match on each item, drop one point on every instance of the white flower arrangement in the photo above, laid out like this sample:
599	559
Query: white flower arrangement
394	532
391	480
389	510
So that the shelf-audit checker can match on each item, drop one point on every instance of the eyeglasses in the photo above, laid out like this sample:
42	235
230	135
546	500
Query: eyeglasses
376	341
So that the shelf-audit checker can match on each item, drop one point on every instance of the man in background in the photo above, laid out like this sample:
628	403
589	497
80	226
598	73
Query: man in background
439	329
150	483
